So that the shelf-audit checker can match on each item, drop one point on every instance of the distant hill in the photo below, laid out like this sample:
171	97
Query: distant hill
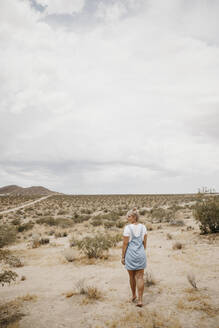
19	191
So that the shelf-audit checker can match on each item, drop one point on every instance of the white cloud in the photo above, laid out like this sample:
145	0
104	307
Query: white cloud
62	6
117	107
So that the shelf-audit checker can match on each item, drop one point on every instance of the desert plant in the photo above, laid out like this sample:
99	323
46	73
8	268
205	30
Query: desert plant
94	246
69	254
177	245
177	223
9	314
149	279
35	242
96	221
207	213
44	240
109	224
7	276
7	235
120	224
192	280
92	293
169	236
25	226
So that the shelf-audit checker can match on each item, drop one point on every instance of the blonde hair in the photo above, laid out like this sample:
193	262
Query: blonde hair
134	212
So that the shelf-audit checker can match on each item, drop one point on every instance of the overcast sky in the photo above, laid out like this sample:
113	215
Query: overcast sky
109	96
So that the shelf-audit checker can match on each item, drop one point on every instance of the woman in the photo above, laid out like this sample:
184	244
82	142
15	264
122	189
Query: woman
133	253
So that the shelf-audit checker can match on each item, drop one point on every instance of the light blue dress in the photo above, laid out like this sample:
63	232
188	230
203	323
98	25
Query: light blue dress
135	257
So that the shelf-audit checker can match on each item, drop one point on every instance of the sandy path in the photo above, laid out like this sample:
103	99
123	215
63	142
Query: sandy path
49	276
24	205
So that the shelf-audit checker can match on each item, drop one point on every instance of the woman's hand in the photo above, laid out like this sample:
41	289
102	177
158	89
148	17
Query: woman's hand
123	260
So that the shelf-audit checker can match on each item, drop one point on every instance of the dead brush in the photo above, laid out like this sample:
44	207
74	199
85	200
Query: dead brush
10	312
144	319
169	236
7	276
192	280
197	303
90	292
149	279
177	245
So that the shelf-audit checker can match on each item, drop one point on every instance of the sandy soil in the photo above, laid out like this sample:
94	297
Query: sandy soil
49	276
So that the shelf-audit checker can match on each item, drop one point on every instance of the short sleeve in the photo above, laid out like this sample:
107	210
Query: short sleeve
126	232
144	230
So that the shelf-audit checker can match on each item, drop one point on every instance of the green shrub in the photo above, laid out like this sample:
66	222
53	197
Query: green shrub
120	224
25	226
207	213
80	219
7	235
109	224
97	221
47	220
62	222
15	221
94	247
7	277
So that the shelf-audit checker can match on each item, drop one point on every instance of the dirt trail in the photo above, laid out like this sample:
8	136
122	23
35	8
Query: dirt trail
25	205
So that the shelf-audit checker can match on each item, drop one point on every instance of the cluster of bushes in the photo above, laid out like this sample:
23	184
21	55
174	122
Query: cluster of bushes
25	226
95	247
161	214
50	221
108	220
207	213
7	235
79	219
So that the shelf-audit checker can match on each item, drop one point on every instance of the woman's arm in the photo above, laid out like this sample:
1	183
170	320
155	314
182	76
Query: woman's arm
145	241
124	248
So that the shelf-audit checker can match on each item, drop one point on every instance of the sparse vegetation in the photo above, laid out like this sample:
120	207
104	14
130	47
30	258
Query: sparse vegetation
207	213
94	246
192	280
149	279
90	292
7	235
177	245
7	276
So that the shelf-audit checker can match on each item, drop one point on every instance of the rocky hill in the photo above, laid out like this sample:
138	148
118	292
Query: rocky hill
17	190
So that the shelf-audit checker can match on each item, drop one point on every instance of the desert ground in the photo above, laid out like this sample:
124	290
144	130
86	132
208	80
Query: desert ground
63	280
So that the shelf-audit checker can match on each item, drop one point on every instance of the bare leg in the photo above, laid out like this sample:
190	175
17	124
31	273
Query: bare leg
132	283
140	285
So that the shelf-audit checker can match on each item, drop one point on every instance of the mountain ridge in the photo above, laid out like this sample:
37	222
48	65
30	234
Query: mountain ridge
15	190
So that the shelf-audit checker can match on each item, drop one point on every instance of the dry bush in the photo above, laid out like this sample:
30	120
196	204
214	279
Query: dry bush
69	254
149	226
94	247
149	279
35	242
197	303
25	226
10	312
207	213
120	224
7	235
7	276
177	245
109	224
192	280
169	236
178	223
44	240
145	319
90	292
7	257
